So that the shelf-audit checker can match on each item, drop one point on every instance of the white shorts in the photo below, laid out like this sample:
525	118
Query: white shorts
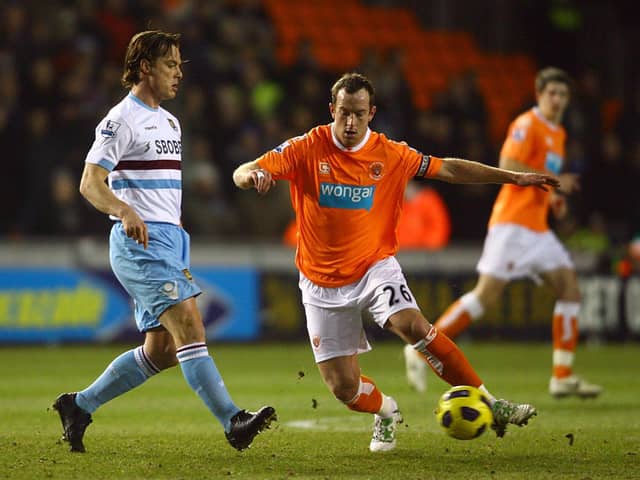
334	315
511	251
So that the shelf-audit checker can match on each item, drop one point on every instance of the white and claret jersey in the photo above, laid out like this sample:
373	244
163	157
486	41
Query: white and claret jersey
141	148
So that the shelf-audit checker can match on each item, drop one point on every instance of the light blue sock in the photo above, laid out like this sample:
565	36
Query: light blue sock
203	377
126	372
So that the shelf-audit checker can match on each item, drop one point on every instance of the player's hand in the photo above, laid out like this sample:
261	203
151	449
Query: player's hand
539	180
134	227
262	180
569	183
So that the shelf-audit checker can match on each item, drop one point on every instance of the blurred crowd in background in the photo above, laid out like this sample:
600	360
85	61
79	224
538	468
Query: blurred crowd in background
61	61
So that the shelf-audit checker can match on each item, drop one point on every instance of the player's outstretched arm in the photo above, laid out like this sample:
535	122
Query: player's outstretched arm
456	170
250	175
569	182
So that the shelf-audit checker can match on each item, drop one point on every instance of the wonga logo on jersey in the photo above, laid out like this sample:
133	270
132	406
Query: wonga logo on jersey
553	162
346	196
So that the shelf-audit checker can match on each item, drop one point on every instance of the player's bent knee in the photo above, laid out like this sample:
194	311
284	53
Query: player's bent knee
188	337
409	324
343	389
186	329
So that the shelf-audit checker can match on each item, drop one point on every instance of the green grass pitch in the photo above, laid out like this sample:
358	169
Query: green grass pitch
161	430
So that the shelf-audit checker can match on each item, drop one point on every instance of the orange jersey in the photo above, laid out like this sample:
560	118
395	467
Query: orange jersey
539	144
347	201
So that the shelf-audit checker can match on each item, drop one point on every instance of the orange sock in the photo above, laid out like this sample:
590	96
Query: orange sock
459	315
447	360
368	399
565	337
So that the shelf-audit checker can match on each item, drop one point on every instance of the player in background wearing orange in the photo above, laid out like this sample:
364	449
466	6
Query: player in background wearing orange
425	222
347	187
519	242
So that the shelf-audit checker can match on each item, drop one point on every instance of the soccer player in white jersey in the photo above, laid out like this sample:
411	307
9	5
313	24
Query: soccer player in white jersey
138	150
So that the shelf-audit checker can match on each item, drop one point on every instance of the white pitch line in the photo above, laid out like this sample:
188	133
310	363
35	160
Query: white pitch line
335	424
353	423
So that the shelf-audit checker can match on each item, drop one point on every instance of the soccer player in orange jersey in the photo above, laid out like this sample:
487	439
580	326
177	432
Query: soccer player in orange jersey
347	185
519	242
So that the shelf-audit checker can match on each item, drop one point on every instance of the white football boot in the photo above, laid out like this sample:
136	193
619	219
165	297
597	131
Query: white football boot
573	386
384	431
416	369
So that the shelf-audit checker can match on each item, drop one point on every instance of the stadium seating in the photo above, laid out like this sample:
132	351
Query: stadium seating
433	56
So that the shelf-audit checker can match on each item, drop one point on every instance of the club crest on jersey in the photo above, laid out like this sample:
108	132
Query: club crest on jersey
376	170
172	124
519	134
324	168
110	129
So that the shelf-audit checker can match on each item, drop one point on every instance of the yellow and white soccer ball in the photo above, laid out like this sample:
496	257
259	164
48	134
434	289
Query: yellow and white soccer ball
464	412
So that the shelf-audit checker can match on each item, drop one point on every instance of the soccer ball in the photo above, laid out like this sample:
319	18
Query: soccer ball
464	412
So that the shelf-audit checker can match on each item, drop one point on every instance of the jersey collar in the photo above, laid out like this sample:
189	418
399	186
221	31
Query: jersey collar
538	114
350	149
141	103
